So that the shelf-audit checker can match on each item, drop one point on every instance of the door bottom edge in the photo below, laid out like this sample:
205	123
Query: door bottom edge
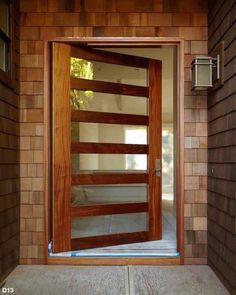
132	254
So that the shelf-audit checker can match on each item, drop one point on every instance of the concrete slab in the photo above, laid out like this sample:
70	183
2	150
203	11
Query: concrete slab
71	280
115	280
174	280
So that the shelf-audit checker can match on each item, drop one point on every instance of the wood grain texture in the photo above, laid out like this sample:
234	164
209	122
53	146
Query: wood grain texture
117	41
124	41
62	139
109	87
58	20
109	178
108	148
106	209
47	155
108	240
109	57
91	242
179	105
109	118
114	261
155	149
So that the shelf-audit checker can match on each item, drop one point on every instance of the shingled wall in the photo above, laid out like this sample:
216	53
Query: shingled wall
10	159
42	20
222	148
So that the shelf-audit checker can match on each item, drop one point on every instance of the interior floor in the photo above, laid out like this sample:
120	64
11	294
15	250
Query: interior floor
115	280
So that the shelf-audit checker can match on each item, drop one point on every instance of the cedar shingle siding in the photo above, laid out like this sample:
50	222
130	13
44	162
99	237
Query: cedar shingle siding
222	149
22	127
42	20
9	163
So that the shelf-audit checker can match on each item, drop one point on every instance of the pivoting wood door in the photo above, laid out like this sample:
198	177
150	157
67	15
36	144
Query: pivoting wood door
106	151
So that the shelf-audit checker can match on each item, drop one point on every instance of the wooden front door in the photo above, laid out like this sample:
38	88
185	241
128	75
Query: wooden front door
75	156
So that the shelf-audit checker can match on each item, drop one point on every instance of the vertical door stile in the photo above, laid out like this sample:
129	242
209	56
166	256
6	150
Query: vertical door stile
61	148
155	151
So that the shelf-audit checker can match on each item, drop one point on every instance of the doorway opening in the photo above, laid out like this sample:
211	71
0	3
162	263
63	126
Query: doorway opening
102	146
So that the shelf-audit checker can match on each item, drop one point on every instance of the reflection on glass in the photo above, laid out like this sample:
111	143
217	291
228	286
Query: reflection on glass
108	162
108	133
4	17
167	162
100	71
108	194
135	162
82	69
3	55
135	134
108	224
105	102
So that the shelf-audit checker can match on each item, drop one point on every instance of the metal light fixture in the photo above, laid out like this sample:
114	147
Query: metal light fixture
205	71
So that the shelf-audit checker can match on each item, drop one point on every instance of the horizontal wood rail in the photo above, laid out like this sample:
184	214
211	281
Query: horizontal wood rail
108	240
109	178
107	209
109	57
109	118
108	148
109	87
115	260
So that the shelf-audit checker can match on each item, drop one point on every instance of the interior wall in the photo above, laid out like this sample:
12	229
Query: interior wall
222	148
9	164
42	20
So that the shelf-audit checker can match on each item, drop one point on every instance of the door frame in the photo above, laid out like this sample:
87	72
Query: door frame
137	42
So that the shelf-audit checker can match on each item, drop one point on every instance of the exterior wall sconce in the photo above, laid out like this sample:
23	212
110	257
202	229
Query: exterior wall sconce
205	70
